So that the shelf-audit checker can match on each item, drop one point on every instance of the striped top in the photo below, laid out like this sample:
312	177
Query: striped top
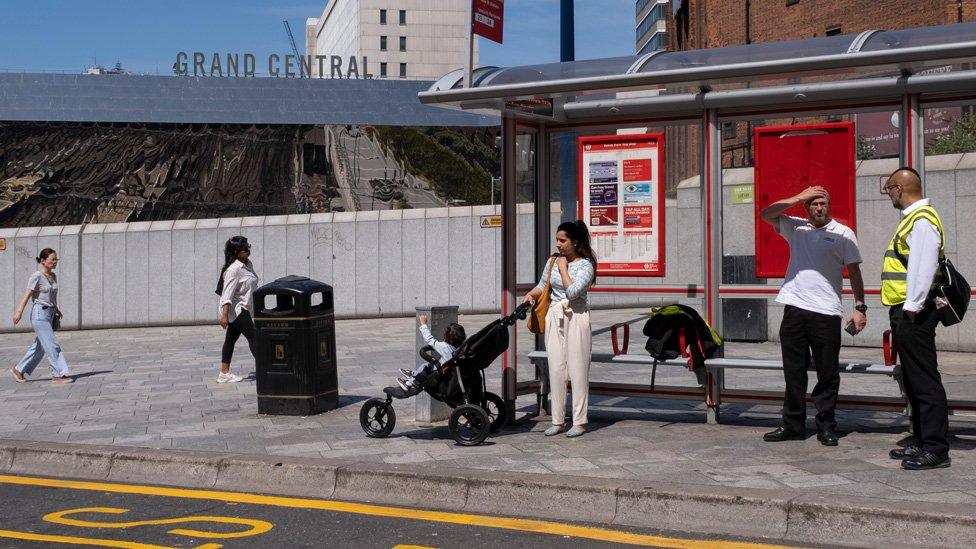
581	273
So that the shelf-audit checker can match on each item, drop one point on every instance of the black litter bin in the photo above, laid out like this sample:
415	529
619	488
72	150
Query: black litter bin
295	328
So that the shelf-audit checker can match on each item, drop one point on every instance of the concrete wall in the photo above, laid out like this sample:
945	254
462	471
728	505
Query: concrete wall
165	272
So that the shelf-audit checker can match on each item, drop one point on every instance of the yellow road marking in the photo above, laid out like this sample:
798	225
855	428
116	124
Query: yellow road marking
256	526
522	525
71	540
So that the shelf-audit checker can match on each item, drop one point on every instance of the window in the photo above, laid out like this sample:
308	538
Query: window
382	17
728	130
833	31
382	70
403	17
403	70
403	43
382	43
792	2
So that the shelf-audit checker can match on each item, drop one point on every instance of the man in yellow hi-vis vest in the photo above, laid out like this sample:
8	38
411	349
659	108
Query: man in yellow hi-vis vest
907	276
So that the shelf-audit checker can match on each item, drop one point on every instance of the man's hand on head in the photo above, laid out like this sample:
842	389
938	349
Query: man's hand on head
812	193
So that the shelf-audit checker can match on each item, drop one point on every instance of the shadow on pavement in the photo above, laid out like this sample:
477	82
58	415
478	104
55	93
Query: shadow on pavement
89	374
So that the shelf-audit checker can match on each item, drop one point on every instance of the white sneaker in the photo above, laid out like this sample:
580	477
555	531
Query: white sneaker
228	378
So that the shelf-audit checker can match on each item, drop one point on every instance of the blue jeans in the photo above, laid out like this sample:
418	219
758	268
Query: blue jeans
44	343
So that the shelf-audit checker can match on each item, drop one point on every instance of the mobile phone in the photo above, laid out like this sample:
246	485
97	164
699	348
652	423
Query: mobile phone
850	328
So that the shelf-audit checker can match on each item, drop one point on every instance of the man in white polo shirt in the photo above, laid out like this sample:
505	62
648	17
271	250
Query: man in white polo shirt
820	248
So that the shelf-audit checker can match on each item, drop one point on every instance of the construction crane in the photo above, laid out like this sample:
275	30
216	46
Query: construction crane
294	48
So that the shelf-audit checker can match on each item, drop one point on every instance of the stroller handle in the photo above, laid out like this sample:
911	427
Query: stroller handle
519	313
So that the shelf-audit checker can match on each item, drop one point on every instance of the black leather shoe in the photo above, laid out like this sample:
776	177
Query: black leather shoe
926	460
827	437
907	452
781	434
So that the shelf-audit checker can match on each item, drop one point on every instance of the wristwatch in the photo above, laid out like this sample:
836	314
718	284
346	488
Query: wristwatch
862	308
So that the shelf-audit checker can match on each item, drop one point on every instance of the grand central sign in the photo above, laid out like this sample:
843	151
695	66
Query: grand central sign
288	66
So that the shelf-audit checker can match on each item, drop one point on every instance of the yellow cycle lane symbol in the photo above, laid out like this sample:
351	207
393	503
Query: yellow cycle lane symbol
253	527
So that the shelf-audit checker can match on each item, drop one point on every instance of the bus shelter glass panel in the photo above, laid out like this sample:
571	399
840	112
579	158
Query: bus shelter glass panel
751	53
525	188
558	71
751	321
950	183
628	300
918	37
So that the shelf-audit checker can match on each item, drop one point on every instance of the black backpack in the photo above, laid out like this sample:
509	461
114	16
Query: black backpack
951	293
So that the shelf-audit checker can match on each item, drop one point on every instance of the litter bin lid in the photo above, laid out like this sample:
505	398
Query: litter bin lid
293	284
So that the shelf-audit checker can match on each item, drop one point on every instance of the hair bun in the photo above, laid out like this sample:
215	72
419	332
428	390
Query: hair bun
37	259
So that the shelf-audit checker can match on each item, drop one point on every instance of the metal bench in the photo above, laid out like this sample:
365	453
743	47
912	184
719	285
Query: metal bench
713	393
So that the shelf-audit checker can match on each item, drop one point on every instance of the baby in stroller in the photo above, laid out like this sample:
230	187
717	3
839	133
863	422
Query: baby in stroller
435	353
455	375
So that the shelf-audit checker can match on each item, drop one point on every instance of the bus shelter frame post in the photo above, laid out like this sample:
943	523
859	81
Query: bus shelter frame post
541	195
711	223
911	135
509	278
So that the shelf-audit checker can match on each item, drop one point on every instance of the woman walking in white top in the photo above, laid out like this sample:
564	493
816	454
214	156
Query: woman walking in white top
235	287
42	288
568	337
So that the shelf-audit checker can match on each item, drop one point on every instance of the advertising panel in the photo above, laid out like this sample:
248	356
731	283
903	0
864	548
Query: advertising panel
789	159
621	190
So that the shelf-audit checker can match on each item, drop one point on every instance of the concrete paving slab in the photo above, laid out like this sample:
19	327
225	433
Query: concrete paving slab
165	396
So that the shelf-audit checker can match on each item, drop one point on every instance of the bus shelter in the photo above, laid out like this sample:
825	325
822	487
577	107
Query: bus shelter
708	107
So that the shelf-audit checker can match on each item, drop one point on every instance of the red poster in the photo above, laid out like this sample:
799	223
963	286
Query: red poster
638	217
637	170
603	217
790	159
489	16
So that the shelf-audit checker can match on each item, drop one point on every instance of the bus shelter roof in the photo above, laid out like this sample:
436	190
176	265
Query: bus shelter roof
872	65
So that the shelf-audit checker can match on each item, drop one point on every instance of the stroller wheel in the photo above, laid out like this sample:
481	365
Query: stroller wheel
377	418
495	407
469	425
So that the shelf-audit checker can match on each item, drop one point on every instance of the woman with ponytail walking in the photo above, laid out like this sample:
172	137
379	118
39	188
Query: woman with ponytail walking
42	289
235	287
568	338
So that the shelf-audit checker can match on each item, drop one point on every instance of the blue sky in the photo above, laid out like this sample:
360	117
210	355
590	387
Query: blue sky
65	35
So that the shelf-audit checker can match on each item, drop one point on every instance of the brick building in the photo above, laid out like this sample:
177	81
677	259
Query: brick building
697	24
717	23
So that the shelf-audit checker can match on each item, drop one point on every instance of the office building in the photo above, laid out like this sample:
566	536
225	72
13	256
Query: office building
651	23
410	39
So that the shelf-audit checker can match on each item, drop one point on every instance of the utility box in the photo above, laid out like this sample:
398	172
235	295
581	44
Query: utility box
743	319
429	410
294	320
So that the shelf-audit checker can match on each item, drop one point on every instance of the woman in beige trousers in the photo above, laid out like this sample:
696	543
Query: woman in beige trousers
568	337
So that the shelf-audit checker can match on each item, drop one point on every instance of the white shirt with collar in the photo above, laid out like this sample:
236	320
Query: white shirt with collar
240	281
815	275
924	242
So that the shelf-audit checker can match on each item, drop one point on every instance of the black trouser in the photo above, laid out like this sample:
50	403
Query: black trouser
920	376
801	333
241	325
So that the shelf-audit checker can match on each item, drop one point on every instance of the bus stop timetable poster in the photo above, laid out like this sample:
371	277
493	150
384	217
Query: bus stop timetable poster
621	199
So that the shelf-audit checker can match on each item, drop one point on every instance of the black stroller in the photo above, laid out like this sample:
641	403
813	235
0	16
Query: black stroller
459	383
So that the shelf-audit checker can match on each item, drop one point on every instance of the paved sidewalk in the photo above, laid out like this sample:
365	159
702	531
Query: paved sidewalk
156	388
